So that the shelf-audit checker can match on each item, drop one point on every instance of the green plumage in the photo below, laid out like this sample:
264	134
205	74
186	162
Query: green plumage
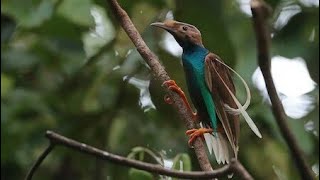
193	59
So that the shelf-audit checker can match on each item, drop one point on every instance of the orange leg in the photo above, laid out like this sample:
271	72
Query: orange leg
194	133
172	86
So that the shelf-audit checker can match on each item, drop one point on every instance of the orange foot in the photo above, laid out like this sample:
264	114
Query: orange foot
172	86
194	133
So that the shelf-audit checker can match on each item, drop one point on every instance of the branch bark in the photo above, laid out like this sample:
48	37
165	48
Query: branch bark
59	140
159	73
234	166
261	11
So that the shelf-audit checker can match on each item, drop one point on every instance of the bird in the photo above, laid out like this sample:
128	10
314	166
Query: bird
211	91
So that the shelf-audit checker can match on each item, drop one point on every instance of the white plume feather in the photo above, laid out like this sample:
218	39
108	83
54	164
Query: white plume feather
241	108
229	109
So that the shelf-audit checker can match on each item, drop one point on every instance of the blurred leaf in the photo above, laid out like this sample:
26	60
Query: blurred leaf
300	38
69	33
28	13
8	26
45	44
101	35
269	151
135	174
18	60
273	3
25	104
299	28
81	15
142	150
280	175
117	130
182	162
6	85
142	15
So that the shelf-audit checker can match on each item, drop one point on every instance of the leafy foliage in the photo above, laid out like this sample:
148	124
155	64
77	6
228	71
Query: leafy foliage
66	65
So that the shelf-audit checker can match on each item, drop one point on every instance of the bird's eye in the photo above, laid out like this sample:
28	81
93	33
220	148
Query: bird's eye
185	28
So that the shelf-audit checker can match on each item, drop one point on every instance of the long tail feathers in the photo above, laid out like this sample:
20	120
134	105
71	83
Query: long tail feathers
246	116
229	109
242	108
219	146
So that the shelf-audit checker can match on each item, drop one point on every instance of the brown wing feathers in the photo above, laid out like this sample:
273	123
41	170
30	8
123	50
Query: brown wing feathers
217	78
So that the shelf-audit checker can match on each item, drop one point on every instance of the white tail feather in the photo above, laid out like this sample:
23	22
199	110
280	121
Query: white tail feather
215	147
217	144
246	116
242	111
225	147
221	153
208	139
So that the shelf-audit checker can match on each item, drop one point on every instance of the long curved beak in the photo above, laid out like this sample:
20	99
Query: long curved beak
161	25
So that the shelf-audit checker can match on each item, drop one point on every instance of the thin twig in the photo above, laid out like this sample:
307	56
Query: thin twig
159	73
261	11
234	166
39	161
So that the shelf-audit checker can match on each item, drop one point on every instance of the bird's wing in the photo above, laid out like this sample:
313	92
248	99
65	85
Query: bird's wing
220	83
218	79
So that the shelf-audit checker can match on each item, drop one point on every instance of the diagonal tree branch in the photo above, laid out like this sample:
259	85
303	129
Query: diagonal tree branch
261	11
159	73
59	140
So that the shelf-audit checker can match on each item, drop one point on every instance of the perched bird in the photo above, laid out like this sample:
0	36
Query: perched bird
212	93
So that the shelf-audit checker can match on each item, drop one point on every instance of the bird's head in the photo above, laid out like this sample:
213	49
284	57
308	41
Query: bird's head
185	34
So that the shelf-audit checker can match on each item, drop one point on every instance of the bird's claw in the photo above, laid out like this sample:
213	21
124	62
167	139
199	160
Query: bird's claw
169	83
194	133
172	86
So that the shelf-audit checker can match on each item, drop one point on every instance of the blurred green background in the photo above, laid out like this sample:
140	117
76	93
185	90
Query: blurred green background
67	66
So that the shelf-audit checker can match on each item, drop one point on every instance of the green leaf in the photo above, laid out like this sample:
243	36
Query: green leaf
139	150
117	130
28	13
135	174
182	162
279	173
18	60
6	84
80	15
